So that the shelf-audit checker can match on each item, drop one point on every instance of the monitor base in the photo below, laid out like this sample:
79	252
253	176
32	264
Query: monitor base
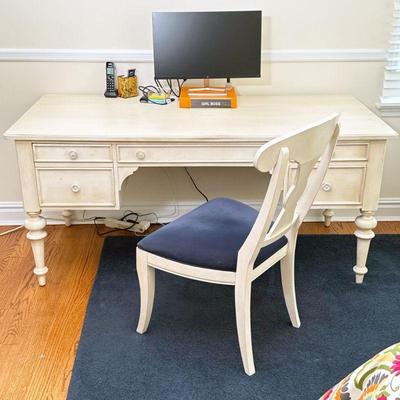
193	91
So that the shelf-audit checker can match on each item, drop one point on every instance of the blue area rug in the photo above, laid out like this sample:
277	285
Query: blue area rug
191	349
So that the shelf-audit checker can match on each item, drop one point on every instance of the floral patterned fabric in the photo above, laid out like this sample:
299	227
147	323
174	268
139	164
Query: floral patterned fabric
377	379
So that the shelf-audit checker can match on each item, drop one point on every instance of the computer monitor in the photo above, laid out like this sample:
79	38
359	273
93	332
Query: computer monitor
190	45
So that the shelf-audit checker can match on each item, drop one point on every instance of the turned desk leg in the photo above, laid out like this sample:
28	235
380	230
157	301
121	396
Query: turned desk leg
328	214
365	223
35	225
67	215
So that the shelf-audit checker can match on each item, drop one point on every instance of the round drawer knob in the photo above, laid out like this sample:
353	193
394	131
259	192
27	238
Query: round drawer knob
141	155
73	155
326	187
75	188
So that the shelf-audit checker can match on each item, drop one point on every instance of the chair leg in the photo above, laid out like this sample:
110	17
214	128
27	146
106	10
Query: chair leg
147	287
288	285
243	323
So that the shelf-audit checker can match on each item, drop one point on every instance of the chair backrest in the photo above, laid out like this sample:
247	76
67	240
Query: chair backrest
309	151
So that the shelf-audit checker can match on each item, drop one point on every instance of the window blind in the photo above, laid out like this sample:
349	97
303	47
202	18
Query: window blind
390	100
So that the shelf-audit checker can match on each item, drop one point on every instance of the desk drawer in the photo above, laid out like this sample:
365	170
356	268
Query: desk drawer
341	186
184	154
350	152
76	187
72	153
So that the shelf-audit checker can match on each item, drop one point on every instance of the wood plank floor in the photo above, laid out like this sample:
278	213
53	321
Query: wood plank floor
40	327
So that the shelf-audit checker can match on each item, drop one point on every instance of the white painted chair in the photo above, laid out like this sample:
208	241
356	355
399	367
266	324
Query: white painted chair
228	242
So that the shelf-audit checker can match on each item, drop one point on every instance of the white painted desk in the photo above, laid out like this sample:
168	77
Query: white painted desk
74	152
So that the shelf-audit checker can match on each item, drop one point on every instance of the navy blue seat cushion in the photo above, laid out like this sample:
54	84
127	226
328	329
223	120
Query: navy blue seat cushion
209	236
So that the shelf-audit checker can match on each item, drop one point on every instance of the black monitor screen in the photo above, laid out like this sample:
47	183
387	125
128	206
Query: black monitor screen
207	44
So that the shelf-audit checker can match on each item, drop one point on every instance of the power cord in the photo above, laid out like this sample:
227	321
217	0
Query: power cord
11	230
160	86
160	89
99	233
169	82
148	90
127	217
128	213
194	184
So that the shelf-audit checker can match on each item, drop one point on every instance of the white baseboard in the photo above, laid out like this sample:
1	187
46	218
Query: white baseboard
12	213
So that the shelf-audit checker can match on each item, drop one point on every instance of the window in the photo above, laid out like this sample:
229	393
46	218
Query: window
389	103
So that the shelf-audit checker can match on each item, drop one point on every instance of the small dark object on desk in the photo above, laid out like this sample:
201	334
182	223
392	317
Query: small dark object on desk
110	80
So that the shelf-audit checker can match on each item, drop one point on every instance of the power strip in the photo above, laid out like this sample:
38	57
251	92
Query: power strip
139	227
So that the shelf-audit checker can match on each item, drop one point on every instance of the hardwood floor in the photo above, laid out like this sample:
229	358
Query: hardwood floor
40	327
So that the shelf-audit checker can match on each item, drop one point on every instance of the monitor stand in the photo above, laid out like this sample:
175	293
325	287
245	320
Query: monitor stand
208	97
208	90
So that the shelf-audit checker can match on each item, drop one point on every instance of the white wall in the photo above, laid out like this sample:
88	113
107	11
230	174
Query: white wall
291	24
295	24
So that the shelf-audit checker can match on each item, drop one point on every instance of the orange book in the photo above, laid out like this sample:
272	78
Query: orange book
207	98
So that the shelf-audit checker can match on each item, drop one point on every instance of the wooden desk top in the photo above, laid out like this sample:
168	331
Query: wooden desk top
257	118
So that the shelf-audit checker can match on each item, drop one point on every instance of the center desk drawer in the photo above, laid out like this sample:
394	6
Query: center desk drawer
76	187
154	154
72	153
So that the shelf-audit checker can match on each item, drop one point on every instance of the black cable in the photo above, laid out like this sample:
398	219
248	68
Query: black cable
159	88
127	214
159	85
171	89
144	215
180	85
169	82
146	90
194	184
111	230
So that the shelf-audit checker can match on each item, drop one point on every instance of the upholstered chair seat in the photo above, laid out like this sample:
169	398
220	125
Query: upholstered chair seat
210	236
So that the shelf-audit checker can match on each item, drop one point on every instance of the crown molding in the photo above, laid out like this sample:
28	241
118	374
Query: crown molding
146	56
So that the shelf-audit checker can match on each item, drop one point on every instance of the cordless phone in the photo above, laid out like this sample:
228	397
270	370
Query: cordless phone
110	80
